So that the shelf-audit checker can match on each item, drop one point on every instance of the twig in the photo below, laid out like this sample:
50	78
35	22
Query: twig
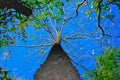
31	46
77	12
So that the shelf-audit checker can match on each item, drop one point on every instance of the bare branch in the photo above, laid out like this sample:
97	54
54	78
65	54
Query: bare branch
77	12
71	47
16	5
32	46
99	16
80	36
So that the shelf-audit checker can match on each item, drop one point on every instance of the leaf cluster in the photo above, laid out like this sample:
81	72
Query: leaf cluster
4	75
103	7
107	66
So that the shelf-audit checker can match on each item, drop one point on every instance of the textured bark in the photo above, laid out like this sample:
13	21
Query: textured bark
19	7
57	67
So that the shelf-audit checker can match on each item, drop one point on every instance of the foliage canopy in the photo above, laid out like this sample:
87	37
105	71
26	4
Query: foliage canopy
107	66
42	10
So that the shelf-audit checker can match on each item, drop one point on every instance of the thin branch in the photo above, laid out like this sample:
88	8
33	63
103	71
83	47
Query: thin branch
80	65
53	27
71	46
80	36
32	46
48	29
99	16
77	12
76	62
54	20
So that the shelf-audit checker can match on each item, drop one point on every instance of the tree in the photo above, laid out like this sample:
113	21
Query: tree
107	66
53	18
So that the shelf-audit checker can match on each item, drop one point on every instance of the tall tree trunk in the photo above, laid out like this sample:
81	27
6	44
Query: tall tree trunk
57	67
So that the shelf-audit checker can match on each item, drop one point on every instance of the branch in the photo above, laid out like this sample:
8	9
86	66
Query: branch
99	22
18	6
99	14
41	45
71	46
80	36
81	65
77	12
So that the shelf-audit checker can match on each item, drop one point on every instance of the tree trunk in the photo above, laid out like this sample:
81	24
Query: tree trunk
57	67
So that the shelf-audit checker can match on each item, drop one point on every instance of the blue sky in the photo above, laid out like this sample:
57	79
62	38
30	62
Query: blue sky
23	62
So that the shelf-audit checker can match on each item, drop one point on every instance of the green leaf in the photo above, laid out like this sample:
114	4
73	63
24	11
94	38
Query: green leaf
94	3
78	3
60	11
12	29
42	15
52	6
1	43
87	12
103	18
59	33
60	19
105	7
37	25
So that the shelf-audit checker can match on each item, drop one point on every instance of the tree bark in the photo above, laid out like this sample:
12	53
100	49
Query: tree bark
19	7
57	67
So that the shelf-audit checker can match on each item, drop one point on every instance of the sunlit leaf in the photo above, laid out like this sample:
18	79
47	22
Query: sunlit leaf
105	7
103	18
12	29
59	33
87	12
78	3
43	15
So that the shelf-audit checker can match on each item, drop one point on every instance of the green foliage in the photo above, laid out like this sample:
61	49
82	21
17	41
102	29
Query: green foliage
44	10
47	9
4	75
105	6
107	67
94	3
100	6
87	12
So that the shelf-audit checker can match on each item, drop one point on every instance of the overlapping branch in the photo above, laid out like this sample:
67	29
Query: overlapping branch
76	14
18	6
